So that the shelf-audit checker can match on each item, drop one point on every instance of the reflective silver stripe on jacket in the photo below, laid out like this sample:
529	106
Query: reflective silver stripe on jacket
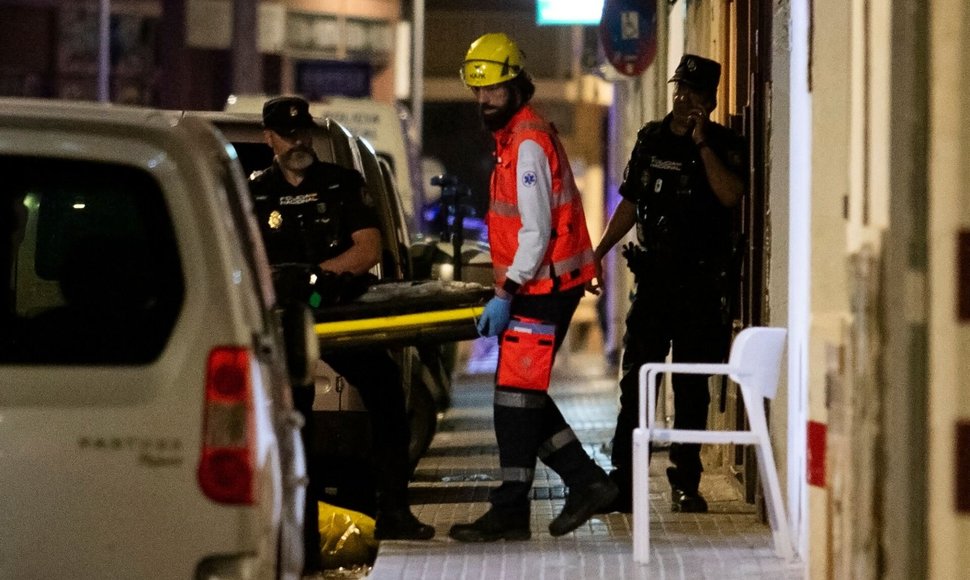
556	442
511	210
563	266
520	400
574	262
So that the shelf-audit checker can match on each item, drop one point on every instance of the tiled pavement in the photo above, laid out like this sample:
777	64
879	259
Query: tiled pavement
452	482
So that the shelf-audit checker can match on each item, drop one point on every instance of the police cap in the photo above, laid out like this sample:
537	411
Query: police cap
697	72
286	115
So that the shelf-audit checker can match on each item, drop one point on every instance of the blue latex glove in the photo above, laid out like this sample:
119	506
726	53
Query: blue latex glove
495	317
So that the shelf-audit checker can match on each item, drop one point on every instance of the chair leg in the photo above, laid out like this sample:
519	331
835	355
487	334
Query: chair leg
777	519
641	496
776	508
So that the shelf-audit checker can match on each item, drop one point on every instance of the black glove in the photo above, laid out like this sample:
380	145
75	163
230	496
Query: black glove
636	257
331	289
325	289
292	282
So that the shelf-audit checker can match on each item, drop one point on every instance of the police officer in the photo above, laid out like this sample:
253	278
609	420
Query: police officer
542	257
685	175
318	213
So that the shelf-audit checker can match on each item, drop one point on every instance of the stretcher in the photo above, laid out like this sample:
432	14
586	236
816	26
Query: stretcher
404	313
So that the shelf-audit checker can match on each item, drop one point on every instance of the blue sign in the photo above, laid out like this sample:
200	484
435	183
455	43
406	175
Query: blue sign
628	33
316	79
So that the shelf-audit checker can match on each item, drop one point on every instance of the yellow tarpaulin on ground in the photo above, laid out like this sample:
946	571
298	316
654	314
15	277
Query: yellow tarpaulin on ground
346	537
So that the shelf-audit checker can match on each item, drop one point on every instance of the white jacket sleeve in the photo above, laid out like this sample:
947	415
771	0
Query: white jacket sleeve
534	194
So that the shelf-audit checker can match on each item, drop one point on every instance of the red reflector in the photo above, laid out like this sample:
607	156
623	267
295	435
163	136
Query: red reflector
816	453
226	475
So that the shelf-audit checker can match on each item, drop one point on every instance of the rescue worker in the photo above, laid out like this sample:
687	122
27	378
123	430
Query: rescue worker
685	175
542	257
318	213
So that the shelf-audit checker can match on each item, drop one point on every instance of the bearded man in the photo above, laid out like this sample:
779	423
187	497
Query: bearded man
319	214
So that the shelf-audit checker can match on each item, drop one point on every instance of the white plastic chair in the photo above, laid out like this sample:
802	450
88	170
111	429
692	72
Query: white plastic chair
755	364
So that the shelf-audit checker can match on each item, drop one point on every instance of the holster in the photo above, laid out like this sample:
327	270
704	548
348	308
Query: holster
526	354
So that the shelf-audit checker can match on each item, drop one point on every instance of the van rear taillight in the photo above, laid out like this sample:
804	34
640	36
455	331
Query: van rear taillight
226	465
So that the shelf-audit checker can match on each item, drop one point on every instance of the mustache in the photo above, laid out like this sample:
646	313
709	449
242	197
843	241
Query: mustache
297	151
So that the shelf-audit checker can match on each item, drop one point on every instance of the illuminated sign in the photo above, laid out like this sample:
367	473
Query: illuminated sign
578	12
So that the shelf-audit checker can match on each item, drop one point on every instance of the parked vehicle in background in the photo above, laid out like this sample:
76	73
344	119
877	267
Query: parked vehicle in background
147	426
343	432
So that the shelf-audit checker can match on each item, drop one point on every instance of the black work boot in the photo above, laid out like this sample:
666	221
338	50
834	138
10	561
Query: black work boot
687	503
400	524
684	498
623	502
493	526
582	503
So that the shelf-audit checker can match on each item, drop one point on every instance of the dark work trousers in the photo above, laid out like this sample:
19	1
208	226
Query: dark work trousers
698	333
528	424
378	381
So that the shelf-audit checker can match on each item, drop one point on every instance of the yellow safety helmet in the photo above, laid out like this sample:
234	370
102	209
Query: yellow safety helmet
492	59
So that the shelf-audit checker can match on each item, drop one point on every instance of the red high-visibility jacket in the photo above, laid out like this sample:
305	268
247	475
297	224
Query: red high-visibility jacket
568	258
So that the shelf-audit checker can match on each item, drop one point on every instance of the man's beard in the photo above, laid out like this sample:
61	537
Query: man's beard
496	118
297	158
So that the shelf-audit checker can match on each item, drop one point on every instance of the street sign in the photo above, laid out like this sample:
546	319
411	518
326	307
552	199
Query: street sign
628	33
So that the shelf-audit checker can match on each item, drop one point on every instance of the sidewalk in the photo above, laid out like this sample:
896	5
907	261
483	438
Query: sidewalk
452	482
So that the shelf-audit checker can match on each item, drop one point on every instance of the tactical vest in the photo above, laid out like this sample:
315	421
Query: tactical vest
680	222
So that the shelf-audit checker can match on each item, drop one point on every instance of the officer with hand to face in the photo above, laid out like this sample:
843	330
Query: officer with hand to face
684	177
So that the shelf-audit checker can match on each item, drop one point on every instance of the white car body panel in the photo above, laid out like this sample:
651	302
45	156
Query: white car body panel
98	464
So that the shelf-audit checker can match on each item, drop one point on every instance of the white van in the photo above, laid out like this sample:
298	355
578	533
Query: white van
385	126
146	422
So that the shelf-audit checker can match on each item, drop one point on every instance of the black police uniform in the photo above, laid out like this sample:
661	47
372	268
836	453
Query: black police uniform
684	280
310	223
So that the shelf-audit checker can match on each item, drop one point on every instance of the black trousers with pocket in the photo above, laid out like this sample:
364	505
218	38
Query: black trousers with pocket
691	321
529	424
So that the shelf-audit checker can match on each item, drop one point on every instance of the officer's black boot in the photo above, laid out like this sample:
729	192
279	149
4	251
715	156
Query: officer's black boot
498	523
401	524
691	401
395	520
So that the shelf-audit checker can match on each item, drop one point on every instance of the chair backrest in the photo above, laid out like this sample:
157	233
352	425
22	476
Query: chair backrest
756	353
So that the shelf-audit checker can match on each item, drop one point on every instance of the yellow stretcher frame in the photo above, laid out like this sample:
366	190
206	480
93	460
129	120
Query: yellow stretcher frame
452	324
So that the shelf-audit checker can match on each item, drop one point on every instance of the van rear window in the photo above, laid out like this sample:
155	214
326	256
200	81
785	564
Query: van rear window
90	271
